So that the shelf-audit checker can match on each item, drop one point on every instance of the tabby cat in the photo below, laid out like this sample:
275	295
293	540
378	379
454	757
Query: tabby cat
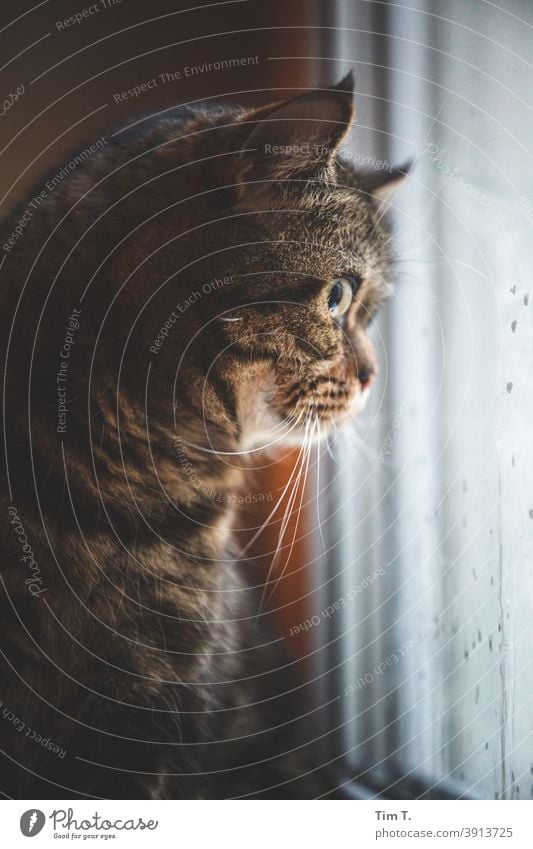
196	287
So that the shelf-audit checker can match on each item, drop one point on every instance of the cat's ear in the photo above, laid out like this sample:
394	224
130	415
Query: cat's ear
381	185
297	137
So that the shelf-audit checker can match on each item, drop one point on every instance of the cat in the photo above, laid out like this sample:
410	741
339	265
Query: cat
198	285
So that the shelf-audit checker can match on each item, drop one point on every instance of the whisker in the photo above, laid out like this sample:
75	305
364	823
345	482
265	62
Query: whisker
274	509
304	473
318	493
286	516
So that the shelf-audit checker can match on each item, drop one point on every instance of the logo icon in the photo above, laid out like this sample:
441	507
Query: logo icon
32	822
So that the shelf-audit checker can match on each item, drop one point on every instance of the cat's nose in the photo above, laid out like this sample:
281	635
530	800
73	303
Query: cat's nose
366	376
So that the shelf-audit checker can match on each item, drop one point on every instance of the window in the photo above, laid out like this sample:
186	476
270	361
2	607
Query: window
425	587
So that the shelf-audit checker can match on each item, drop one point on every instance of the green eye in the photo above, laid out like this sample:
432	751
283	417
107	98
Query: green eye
340	294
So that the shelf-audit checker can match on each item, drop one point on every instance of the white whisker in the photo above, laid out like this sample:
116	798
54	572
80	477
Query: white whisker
274	509
304	468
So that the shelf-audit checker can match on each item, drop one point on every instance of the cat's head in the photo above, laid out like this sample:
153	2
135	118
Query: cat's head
296	262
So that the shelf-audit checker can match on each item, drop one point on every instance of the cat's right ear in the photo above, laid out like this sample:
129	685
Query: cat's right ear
296	138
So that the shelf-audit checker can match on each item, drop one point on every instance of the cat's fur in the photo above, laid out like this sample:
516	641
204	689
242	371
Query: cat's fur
123	617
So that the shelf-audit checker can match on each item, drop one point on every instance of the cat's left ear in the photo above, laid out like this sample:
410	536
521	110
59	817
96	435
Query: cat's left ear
297	137
381	185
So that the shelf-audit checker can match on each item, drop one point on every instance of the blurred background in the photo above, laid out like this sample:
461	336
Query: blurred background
403	590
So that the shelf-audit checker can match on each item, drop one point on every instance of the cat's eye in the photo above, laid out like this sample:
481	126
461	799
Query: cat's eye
340	294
